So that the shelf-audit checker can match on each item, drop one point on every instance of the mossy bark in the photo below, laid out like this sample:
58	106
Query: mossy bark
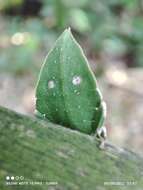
43	152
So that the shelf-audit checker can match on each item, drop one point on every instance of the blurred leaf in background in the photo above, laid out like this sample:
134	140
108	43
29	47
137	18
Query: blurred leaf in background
23	44
27	32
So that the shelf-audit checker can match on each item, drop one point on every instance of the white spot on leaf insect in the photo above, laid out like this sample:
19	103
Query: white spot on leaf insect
51	84
76	80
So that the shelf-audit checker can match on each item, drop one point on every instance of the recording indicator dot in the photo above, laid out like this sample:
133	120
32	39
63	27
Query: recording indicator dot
7	178
12	177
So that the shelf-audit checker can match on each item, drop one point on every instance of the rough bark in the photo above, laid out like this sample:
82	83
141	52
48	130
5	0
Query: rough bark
43	152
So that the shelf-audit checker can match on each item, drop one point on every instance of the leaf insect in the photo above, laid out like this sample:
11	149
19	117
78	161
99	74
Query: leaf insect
67	91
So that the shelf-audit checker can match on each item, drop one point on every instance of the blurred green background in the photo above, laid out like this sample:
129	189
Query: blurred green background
111	34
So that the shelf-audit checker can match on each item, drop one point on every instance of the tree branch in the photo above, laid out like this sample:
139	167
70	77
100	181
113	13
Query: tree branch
43	152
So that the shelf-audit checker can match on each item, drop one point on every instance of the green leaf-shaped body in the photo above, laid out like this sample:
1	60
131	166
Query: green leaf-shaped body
67	92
